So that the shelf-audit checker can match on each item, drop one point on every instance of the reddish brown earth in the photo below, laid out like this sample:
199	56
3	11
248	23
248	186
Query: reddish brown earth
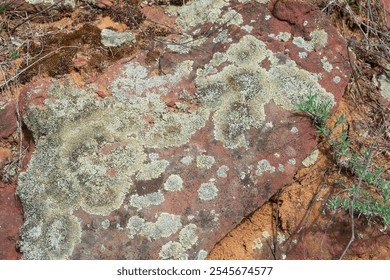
304	225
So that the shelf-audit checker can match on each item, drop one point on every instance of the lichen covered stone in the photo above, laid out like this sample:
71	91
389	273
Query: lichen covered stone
181	149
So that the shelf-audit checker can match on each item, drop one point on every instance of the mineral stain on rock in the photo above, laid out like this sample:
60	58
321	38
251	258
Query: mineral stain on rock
165	158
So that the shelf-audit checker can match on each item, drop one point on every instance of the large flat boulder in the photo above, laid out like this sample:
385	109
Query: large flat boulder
165	153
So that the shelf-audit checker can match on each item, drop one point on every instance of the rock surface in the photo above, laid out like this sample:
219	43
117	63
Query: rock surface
189	138
8	119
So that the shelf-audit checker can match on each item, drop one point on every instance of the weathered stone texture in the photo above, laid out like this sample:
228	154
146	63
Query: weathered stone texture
184	147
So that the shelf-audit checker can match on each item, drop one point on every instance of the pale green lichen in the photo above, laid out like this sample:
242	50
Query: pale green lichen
317	37
88	151
71	3
202	255
174	183
207	191
221	172
222	37
241	89
53	237
247	28
166	225
106	224
152	170
173	251
311	159
302	54
336	79
136	78
111	38
266	234
264	166
292	161
259	1
144	201
187	236
283	36
326	64
134	226
187	160
194	13
205	162
257	244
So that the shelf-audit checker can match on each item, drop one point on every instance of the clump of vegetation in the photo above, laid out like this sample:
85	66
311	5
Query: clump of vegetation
369	194
3	6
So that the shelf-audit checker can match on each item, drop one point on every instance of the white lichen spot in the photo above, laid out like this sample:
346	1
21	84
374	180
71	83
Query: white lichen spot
292	161
336	79
187	236
232	17
284	256
136	79
144	201
302	55
247	28
317	37
202	255
267	17
281	167
204	161
152	170
305	23
269	125
222	37
277	155
257	244
294	129
190	217
264	166
174	183
265	234
280	238
106	224
198	12
214	215
173	251
283	36
165	226
187	160
221	172
326	64
311	159
111	38
248	50
134	226
207	191
153	156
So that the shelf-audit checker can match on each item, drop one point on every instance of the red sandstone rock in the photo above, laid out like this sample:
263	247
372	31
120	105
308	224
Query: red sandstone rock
5	157
185	146
8	121
11	219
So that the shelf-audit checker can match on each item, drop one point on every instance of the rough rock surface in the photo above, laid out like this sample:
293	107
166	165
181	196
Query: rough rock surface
11	220
8	119
169	150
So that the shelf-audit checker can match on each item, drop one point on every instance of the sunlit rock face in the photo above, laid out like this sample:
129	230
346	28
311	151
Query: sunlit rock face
182	147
